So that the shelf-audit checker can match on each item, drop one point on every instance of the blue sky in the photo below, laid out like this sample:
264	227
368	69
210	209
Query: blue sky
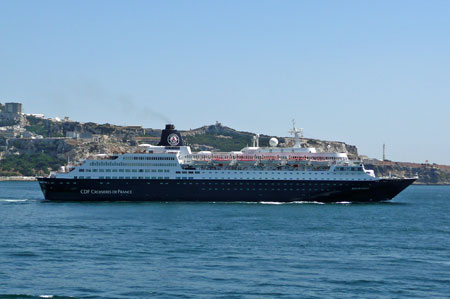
363	72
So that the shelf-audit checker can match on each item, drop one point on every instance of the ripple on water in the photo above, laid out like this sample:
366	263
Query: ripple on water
269	249
13	200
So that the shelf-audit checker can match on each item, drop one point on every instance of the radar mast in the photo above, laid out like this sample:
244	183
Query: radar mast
298	133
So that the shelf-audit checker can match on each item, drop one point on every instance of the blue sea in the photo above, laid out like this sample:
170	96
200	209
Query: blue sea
399	249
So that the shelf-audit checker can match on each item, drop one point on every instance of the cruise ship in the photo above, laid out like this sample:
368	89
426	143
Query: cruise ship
170	171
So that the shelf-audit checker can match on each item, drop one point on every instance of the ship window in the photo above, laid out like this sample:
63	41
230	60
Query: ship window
81	170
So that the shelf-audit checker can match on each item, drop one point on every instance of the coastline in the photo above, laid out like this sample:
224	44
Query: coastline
17	178
430	184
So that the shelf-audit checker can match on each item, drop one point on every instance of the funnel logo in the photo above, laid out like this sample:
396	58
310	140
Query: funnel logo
173	139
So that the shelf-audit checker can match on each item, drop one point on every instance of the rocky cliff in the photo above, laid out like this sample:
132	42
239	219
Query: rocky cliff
428	174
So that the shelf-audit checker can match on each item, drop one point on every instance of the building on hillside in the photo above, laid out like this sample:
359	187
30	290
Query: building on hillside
15	108
147	139
100	138
72	134
11	131
12	115
37	115
86	136
27	134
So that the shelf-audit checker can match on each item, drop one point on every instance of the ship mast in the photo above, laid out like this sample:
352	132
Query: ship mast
298	133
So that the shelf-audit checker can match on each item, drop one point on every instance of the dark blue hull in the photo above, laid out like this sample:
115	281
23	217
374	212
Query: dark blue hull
220	190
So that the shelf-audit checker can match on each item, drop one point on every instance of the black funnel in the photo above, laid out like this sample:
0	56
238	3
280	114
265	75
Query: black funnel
170	137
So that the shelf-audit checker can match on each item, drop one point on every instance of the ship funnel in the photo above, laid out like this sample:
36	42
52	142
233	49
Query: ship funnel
170	137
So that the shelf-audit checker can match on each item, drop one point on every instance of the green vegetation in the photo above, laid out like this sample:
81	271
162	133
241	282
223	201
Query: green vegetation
37	129
29	165
38	126
224	144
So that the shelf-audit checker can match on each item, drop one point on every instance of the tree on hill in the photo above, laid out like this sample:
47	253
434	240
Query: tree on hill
29	165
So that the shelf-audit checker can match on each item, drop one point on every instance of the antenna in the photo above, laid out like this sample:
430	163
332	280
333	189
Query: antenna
297	133
384	152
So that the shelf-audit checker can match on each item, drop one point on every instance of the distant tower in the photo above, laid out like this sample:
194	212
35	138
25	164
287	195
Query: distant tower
15	108
384	152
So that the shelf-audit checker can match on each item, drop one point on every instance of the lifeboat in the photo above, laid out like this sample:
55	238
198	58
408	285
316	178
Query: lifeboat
217	161
297	161
271	161
246	161
201	162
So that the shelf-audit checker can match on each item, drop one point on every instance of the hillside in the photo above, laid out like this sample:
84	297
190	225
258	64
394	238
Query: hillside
38	156
428	174
222	138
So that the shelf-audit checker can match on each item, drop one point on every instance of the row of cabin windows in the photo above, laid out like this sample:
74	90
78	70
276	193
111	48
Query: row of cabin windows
256	172
349	168
303	173
203	183
131	164
123	170
126	177
150	158
267	184
186	172
314	185
262	189
282	178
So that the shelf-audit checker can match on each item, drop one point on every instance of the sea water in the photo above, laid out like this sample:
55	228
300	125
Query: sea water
235	250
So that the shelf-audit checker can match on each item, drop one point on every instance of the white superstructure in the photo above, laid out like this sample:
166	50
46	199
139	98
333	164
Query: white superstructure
175	162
